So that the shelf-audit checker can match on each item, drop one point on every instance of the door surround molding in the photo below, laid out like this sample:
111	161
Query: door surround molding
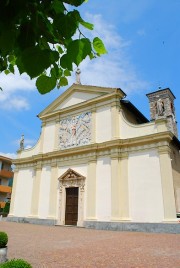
69	179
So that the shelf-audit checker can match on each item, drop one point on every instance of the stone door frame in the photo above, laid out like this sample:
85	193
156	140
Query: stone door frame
69	179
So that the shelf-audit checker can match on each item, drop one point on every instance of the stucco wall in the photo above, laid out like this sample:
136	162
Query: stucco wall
129	130
44	192
76	98
49	137
22	204
103	193
145	190
103	124
175	161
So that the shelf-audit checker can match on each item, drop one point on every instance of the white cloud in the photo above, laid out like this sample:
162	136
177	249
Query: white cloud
10	155
13	86
114	69
17	103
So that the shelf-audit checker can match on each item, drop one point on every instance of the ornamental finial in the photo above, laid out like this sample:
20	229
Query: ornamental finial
78	72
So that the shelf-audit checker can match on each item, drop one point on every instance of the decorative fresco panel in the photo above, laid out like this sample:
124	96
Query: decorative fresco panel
75	131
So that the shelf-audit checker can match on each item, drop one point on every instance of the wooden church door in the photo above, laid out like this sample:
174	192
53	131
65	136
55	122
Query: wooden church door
71	214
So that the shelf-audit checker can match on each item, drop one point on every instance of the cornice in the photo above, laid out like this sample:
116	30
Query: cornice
118	147
84	105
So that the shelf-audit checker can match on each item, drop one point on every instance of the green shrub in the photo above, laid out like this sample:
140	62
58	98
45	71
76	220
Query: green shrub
16	263
3	239
6	207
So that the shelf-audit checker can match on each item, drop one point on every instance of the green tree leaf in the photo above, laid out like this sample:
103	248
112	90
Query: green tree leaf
78	50
7	38
87	25
99	46
45	84
35	60
63	81
6	72
66	25
74	2
37	37
66	62
58	6
67	73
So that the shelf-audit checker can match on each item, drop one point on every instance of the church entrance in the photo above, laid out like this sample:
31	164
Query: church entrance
71	212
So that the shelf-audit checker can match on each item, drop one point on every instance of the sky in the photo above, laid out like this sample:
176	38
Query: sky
143	42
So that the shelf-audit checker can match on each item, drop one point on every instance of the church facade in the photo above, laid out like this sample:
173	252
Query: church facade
98	159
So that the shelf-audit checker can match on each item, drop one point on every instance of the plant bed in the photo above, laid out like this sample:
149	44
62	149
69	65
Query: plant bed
3	247
16	263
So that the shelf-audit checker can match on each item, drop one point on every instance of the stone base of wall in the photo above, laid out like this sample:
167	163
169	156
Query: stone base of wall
32	220
173	228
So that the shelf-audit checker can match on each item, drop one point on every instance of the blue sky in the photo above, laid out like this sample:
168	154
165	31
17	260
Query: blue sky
143	42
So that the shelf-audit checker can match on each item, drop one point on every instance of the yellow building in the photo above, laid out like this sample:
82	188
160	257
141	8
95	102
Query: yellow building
99	161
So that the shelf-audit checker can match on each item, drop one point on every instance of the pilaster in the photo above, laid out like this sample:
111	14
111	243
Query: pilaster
36	190
93	126
13	194
124	188
115	119
56	138
167	184
53	191
91	188
161	124
115	185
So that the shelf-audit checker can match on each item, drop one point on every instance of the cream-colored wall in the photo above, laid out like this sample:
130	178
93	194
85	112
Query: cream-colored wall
129	130
103	124
175	161
49	136
103	192
80	168
76	98
44	192
145	189
22	202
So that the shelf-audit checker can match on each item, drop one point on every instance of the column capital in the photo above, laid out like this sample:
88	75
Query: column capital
165	149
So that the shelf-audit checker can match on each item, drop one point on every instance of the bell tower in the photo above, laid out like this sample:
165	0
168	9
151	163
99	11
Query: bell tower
162	106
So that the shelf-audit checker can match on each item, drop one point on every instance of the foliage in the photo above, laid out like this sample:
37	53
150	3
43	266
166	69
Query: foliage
38	36
3	239
16	263
6	207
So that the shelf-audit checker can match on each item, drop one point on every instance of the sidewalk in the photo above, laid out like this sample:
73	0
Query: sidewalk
56	247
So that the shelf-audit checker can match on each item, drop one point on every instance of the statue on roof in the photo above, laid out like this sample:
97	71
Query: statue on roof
78	72
22	142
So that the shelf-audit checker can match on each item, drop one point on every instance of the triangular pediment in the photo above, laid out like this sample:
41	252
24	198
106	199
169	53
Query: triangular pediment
74	95
71	174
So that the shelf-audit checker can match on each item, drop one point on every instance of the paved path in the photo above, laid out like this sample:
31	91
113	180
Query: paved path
56	247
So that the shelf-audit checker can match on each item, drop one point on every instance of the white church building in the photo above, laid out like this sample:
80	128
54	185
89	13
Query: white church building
99	160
